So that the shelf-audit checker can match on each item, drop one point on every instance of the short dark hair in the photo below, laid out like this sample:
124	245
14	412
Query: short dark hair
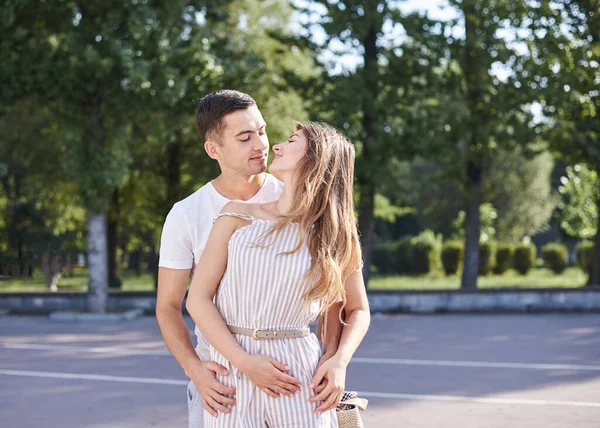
213	107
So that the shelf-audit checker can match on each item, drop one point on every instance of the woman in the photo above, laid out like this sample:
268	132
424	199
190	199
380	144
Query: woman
269	270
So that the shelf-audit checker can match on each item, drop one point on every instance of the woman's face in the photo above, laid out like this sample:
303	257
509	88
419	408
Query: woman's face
288	156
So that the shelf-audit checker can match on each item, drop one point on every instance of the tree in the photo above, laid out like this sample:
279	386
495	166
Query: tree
262	57
520	189
578	210
476	111
430	190
375	102
90	53
42	214
488	216
127	77
563	66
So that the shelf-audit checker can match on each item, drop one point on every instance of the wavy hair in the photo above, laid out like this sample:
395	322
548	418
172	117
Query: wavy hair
323	206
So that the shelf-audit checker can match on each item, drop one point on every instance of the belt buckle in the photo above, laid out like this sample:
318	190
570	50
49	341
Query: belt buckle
255	332
258	330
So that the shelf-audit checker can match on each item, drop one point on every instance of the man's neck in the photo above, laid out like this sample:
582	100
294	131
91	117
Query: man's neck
239	187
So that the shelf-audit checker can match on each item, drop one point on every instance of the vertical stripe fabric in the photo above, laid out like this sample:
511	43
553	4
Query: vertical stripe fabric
262	288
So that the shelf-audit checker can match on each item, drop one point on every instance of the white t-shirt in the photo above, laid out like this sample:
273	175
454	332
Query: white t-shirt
188	225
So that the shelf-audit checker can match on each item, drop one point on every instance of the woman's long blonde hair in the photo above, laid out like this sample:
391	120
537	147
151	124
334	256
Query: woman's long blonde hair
323	206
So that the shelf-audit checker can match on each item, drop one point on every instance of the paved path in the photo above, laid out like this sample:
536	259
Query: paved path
467	371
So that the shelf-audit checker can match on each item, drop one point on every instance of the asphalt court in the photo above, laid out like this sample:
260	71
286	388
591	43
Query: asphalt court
495	370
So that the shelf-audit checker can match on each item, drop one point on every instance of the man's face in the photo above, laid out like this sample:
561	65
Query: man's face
244	145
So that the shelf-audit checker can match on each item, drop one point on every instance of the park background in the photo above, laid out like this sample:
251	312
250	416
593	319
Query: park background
475	122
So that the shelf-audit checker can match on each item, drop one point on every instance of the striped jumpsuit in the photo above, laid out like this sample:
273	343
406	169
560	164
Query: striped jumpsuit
260	289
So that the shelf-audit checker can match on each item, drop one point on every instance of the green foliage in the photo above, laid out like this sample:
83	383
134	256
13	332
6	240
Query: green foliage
385	210
452	256
584	255
519	187
560	68
555	256
426	253
524	258
487	257
565	48
580	188
477	113
404	255
40	210
117	83
488	217
378	102
504	258
384	257
116	86
425	187
393	257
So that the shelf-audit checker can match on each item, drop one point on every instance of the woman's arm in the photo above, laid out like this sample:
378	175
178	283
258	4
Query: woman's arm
263	371
357	319
208	275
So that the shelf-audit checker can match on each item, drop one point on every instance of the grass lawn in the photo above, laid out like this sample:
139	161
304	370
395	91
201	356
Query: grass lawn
79	282
572	277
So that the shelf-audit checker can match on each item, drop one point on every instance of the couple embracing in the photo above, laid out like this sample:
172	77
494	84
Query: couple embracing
270	254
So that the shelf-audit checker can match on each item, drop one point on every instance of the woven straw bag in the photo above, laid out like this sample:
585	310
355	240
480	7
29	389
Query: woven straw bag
348	411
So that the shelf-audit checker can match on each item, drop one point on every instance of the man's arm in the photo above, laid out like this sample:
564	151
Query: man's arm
357	319
332	331
172	285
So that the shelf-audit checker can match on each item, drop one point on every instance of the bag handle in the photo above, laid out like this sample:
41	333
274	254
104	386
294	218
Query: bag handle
361	403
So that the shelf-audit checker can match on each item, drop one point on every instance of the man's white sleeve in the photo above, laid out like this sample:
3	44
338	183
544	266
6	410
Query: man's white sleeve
175	242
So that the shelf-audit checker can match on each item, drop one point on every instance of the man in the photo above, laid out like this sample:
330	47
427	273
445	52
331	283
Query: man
234	133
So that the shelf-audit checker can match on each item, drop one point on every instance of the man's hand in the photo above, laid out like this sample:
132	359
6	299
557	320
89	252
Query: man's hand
212	393
321	386
334	372
269	375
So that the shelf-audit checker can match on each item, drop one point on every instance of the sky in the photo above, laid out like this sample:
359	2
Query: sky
436	9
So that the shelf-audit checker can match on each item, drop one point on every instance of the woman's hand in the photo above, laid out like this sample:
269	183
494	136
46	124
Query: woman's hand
269	375
333	371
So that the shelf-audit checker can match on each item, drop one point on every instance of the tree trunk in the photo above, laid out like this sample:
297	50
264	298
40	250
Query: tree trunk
69	265
55	274
153	264
21	258
474	79
135	262
114	265
366	226
472	230
594	277
173	172
366	217
97	262
96	216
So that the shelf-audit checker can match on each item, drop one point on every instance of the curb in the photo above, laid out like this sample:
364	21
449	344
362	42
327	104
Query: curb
76	317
